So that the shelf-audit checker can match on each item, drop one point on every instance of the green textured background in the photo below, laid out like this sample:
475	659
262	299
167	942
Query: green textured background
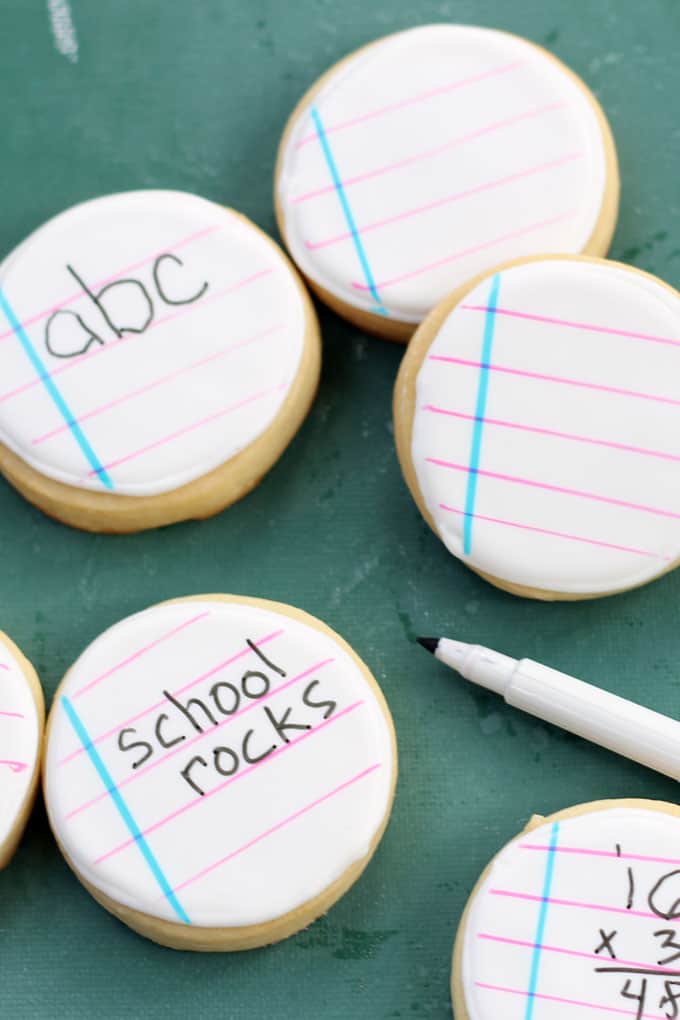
194	95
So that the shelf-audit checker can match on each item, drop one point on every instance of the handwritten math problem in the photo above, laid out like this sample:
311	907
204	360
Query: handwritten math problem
580	917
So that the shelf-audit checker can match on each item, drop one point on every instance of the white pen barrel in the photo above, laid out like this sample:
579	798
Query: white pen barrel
628	729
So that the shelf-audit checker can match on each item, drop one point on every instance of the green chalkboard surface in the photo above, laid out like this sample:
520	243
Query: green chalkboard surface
123	94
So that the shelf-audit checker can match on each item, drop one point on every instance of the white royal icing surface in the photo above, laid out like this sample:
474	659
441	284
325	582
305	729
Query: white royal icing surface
219	340
558	465
256	844
434	155
600	890
19	740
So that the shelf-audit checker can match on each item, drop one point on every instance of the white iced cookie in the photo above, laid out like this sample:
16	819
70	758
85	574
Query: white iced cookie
21	727
535	417
157	354
219	770
576	917
434	154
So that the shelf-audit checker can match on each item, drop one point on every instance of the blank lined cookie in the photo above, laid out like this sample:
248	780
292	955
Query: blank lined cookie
536	421
431	155
157	354
219	770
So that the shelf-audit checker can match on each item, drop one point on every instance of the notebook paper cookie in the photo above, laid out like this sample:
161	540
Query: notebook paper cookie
536	422
434	154
21	727
157	354
219	770
576	917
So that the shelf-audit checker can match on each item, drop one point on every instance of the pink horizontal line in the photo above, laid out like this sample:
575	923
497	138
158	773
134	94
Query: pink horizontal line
141	651
569	1002
462	254
189	428
563	951
557	534
200	736
617	391
279	825
114	344
410	101
13	715
511	894
447	200
190	805
625	447
600	853
567	323
562	489
3	665
427	153
115	276
208	359
180	690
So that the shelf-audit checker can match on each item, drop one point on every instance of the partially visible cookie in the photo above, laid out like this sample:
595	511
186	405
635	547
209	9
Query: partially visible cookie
157	354
22	714
432	155
219	770
576	917
535	419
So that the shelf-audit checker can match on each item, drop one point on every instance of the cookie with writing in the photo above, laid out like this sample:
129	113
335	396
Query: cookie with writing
535	419
577	916
158	352
22	715
431	155
219	770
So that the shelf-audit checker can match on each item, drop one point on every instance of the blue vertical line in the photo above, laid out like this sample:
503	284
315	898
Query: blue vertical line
123	809
480	410
542	917
54	392
347	210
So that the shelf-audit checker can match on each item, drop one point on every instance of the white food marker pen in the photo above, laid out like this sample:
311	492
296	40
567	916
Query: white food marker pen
622	726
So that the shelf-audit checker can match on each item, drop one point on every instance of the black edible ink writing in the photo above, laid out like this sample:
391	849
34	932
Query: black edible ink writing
329	706
96	297
247	684
670	999
252	759
186	710
639	998
606	943
163	741
282	724
68	335
57	336
186	772
267	662
216	695
148	749
668	943
225	760
161	289
664	899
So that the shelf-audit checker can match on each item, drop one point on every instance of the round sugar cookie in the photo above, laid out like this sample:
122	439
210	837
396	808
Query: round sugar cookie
576	917
22	714
536	420
432	155
219	770
157	354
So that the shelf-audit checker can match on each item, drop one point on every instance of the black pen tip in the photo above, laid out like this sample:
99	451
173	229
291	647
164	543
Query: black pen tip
429	642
